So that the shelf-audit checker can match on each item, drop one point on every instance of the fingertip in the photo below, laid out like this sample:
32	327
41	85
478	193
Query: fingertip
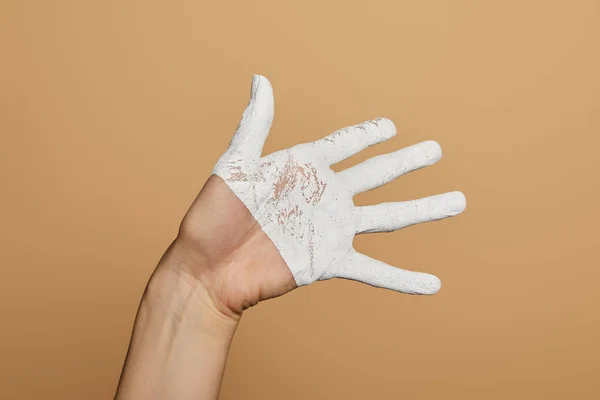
261	100
260	86
386	126
457	202
431	284
433	150
436	284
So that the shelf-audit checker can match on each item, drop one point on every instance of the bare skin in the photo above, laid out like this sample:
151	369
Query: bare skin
230	254
220	264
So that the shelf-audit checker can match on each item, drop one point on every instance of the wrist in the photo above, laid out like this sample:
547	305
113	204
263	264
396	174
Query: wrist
180	340
184	298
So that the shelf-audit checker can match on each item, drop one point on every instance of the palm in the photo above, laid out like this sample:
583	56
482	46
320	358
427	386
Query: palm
303	206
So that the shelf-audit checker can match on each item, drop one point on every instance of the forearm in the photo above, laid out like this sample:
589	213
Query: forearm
180	341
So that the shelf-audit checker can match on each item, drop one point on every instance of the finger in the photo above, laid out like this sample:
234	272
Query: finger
387	217
379	274
256	121
382	169
348	141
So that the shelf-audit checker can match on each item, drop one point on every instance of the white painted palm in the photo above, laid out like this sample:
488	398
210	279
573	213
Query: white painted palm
306	208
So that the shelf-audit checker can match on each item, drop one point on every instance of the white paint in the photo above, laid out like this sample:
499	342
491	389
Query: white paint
306	208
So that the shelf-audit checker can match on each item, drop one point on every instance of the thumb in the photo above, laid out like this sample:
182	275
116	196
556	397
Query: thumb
256	121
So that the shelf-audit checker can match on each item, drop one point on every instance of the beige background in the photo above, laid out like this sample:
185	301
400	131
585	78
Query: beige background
112	114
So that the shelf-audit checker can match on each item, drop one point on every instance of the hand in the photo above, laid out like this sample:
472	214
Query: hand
262	226
259	228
